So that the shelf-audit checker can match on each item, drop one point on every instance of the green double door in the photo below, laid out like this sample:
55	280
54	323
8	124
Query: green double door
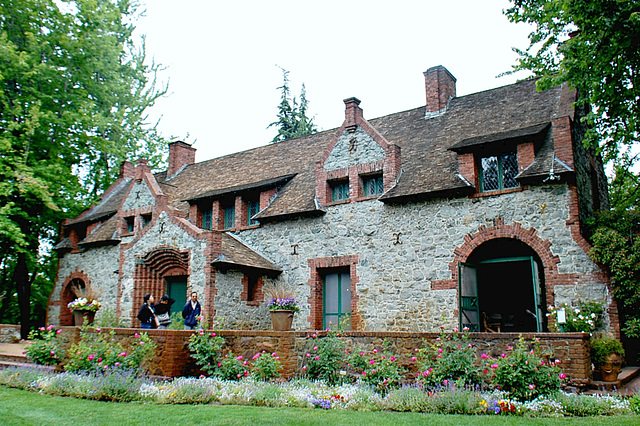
508	288
336	301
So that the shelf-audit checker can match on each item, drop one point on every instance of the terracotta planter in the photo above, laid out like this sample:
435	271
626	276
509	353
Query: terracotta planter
611	368
80	315
281	320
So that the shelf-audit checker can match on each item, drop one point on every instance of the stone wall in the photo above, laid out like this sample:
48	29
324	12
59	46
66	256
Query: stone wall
406	251
9	333
172	357
352	149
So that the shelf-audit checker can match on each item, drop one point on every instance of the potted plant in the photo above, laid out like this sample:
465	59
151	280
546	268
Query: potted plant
84	306
282	306
607	355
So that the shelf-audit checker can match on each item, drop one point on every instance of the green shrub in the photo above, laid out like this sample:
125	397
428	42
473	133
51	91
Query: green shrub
524	373
266	366
378	368
45	347
451	359
269	396
108	318
407	399
206	349
97	351
231	367
325	357
452	400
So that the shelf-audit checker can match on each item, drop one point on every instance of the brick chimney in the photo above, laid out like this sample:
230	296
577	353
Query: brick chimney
352	113
440	86
180	154
127	170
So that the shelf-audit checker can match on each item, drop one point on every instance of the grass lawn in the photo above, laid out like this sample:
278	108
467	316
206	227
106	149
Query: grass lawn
18	407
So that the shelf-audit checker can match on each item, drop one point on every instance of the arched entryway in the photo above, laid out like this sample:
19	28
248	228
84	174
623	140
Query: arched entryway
73	289
501	288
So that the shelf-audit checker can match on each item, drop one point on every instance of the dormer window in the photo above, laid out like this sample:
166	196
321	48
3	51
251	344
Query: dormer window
253	207
498	172
339	190
207	219
146	219
129	224
372	185
229	217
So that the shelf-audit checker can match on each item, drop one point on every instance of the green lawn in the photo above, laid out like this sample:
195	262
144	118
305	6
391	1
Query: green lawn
18	407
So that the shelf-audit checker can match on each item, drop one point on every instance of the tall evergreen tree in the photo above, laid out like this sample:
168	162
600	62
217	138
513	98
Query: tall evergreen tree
292	120
73	93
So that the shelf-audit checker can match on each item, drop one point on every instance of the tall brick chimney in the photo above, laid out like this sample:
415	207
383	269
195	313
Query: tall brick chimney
352	113
180	154
127	170
440	86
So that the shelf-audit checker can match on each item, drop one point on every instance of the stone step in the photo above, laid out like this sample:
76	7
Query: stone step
628	383
13	357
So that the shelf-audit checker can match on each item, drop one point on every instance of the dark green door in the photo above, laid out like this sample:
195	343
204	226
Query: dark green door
468	297
337	300
177	289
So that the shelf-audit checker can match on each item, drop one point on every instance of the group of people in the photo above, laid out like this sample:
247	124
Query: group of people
152	315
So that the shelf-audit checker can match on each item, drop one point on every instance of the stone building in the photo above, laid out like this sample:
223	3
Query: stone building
466	211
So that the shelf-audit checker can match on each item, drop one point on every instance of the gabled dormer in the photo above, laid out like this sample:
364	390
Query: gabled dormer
359	163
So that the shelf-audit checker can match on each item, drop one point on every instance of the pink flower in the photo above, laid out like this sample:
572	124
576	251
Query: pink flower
442	327
308	355
202	376
439	356
372	362
415	349
315	348
239	357
510	348
256	356
494	366
413	358
277	357
558	361
503	355
470	345
24	352
213	334
274	354
52	352
465	328
90	357
364	373
59	331
246	362
304	368
375	351
440	350
445	382
98	330
99	359
117	364
42	328
50	327
485	371
136	335
455	329
314	335
219	364
317	357
562	376
373	371
393	358
425	373
201	332
361	353
532	387
484	356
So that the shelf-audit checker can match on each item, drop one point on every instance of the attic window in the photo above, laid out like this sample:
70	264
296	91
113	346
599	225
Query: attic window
339	190
129	224
498	172
146	219
253	207
372	185
229	217
207	219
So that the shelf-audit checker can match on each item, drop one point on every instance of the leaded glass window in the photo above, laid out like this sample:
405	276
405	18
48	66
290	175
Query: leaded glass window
207	219
253	207
499	172
373	185
340	191
229	217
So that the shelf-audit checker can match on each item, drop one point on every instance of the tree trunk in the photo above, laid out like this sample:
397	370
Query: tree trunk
23	285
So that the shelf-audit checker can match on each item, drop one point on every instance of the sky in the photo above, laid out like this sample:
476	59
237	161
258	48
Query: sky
221	60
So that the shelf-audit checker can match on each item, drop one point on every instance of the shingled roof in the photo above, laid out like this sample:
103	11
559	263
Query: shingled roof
428	145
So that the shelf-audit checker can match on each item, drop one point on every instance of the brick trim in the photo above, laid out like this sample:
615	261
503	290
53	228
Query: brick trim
317	266
66	296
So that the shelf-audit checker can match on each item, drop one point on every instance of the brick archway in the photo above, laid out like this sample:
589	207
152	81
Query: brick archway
67	296
151	270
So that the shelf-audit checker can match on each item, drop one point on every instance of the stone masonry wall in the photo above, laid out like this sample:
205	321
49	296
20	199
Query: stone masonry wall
405	250
354	148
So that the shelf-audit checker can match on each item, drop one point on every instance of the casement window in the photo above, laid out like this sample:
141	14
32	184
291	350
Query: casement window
130	224
253	207
229	217
339	190
336	305
146	219
372	185
498	172
207	219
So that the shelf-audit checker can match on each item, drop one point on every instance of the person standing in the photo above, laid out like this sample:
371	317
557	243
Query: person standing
163	312
147	315
191	312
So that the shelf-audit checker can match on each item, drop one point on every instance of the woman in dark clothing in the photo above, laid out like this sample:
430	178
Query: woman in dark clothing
163	311
147	315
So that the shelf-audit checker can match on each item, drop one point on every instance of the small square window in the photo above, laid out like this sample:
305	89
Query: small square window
339	190
229	217
499	172
253	207
372	185
207	219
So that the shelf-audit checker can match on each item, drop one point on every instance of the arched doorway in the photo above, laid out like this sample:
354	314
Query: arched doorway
501	288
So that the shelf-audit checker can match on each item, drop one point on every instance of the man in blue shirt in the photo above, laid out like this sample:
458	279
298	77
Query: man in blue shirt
191	312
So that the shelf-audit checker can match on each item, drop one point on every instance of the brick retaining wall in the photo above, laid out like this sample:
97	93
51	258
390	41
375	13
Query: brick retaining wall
172	358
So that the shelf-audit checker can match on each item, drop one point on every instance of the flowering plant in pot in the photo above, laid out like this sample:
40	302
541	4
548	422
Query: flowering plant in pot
85	306
607	356
282	306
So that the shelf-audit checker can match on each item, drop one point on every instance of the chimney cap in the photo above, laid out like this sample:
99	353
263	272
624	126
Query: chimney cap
443	68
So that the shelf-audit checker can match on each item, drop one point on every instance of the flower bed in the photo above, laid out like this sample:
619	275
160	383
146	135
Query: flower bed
125	387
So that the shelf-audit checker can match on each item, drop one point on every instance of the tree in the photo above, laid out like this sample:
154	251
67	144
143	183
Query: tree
292	117
595	46
74	89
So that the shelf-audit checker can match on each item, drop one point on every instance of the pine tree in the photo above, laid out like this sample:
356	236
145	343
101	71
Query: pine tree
292	120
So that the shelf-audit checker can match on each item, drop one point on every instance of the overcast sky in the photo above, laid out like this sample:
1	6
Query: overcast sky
221	58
